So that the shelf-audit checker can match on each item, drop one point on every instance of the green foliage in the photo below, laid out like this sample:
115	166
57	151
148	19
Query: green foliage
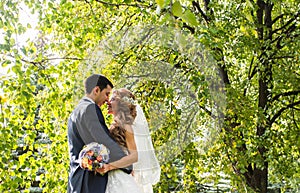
259	66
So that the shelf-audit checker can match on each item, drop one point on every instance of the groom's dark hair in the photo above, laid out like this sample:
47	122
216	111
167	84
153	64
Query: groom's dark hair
96	80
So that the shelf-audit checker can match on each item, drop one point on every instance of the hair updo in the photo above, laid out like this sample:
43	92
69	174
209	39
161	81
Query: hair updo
125	114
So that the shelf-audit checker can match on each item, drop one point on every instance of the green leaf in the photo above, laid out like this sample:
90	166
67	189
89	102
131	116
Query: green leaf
249	17
190	18
177	9
5	63
160	3
40	97
16	69
23	49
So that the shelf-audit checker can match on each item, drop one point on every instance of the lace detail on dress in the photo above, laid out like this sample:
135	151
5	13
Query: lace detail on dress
120	182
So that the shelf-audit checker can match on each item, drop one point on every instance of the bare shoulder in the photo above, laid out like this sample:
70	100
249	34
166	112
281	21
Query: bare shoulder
128	128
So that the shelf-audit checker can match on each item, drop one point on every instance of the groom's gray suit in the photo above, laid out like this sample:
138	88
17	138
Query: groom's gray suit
86	124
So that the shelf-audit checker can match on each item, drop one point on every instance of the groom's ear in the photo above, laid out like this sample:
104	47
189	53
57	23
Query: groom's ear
96	89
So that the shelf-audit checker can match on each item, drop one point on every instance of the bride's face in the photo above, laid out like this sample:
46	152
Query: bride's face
112	104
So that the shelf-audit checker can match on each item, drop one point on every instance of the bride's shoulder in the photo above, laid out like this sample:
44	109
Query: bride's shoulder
128	127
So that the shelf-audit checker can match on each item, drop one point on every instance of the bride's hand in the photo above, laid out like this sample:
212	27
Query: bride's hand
100	171
104	169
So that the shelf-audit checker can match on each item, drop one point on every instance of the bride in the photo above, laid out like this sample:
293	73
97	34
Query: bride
130	129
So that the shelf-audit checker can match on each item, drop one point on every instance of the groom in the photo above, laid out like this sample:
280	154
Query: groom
86	124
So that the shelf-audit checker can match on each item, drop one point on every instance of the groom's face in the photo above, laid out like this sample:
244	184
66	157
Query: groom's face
103	95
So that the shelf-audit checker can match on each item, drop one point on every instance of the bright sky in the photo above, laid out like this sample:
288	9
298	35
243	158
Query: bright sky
25	17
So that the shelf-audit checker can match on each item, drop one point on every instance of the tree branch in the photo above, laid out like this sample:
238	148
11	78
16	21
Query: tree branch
192	95
91	7
277	18
294	92
282	57
285	34
251	74
197	6
189	125
192	30
146	37
287	23
294	120
127	19
223	70
282	110
124	4
49	59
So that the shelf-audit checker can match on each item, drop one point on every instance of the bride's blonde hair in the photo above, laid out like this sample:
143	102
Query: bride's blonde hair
125	114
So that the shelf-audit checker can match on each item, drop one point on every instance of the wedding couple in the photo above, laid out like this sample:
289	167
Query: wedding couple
133	166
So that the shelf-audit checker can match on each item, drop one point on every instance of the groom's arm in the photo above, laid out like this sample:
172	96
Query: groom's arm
94	131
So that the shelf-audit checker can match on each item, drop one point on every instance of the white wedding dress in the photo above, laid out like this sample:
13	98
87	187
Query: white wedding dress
120	182
146	169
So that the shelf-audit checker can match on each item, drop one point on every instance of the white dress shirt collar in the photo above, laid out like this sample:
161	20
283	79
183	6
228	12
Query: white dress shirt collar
88	98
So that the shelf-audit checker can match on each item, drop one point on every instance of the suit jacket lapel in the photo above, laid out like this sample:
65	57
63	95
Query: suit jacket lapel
101	119
100	115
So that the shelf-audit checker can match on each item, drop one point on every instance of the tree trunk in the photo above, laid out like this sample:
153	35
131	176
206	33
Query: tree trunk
257	177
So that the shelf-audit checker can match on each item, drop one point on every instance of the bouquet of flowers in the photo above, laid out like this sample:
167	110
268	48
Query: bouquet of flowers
93	156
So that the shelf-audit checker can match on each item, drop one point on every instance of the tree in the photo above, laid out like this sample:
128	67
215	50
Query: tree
253	43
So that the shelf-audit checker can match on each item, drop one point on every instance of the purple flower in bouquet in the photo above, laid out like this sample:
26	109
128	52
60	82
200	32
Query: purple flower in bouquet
93	156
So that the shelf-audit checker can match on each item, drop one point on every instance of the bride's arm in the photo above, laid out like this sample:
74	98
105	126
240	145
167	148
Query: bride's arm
133	155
